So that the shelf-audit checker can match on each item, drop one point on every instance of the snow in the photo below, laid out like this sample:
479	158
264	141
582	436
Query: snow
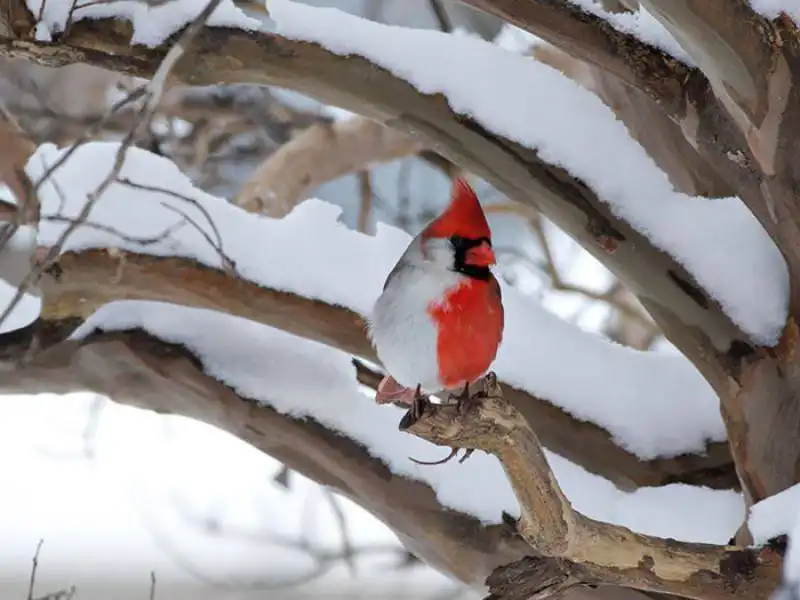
775	515
653	405
151	24
132	508
772	9
640	24
719	241
791	562
514	39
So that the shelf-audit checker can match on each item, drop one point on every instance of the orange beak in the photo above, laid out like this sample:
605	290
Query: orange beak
480	256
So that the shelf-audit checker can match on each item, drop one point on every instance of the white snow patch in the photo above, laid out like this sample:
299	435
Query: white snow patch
653	405
719	241
151	24
791	562
776	515
514	39
640	24
772	9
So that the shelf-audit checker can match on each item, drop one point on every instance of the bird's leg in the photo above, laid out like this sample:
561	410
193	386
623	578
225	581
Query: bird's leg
464	400
462	403
419	402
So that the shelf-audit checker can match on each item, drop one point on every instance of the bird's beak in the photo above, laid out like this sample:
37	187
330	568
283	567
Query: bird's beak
480	256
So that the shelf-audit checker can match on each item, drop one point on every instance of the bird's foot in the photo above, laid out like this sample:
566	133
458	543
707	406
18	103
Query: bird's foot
453	452
418	405
418	409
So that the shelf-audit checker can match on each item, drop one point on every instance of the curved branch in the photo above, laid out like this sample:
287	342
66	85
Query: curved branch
232	56
88	280
137	369
319	154
589	551
595	41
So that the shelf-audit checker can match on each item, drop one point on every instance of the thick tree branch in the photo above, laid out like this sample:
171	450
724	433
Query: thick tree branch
728	41
590	551
137	369
86	281
595	41
319	154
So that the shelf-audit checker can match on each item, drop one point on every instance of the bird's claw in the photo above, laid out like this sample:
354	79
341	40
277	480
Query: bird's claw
454	451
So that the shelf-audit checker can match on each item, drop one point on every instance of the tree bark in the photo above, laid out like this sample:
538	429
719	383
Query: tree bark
573	549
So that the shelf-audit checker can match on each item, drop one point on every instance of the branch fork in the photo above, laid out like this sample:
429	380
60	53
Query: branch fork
582	550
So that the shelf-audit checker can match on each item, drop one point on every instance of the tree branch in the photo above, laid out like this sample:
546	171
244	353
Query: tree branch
137	369
90	279
319	154
595	41
590	551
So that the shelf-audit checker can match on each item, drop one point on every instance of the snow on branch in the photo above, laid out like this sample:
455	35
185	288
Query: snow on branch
273	368
589	551
643	399
719	241
152	23
355	84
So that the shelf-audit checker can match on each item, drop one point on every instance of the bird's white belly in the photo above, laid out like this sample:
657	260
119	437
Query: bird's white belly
404	333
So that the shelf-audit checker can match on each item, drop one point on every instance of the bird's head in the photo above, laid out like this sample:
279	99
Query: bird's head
460	239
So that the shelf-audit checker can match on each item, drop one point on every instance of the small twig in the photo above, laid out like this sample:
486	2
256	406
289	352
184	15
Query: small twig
227	261
35	566
348	554
365	207
442	18
152	585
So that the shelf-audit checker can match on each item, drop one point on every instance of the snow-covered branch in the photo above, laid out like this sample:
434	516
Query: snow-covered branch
285	282
141	370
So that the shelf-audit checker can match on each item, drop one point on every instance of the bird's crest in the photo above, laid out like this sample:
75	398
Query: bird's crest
464	216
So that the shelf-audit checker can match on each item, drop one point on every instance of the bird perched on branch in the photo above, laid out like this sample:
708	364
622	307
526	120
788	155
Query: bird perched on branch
439	321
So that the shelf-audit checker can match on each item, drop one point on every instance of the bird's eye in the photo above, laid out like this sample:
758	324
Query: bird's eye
458	242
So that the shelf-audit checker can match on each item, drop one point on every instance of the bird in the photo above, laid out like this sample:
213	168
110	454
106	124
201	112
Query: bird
439	320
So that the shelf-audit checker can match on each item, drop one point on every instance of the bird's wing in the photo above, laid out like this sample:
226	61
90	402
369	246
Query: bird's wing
400	266
494	286
405	261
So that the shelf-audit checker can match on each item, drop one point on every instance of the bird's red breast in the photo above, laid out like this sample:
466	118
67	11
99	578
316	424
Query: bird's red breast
469	320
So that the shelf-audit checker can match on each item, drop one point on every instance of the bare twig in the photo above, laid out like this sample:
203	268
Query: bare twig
227	262
35	566
442	18
365	207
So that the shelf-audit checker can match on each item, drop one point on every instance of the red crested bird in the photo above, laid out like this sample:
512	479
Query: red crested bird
439	321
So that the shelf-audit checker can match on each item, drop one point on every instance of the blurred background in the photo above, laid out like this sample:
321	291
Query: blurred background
123	503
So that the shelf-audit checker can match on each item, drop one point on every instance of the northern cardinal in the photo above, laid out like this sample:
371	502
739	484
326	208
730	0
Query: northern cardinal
439	321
